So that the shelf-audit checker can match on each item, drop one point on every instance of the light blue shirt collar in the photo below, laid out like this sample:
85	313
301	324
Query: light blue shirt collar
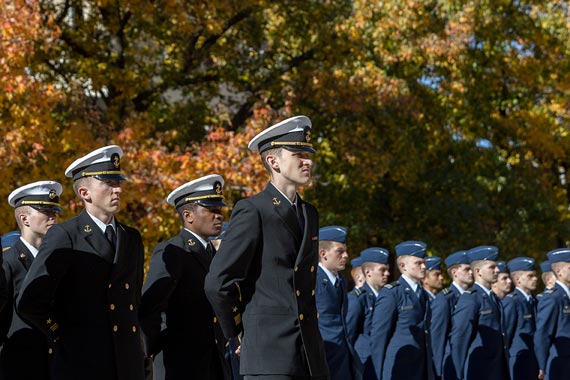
33	250
411	283
488	291
527	296
333	279
459	288
102	226
202	241
564	287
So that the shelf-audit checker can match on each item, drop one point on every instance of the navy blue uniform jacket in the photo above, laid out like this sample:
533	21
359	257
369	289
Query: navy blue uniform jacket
442	308
520	325
24	352
262	283
359	322
86	302
175	286
476	341
552	336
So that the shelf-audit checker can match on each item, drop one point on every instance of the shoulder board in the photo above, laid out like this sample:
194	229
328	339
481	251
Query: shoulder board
356	291
470	290
391	285
549	291
446	291
511	295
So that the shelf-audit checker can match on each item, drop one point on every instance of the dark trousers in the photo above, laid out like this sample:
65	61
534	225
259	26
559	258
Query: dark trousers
282	377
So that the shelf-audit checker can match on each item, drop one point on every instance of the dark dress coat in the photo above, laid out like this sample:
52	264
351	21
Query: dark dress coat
399	339
25	350
332	306
552	336
476	341
174	287
520	325
262	284
85	298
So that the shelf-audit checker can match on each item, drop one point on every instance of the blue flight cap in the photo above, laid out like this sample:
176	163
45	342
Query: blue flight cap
411	248
545	266
356	262
502	267
433	263
521	263
205	191
103	164
293	134
456	258
375	255
333	233
483	252
559	255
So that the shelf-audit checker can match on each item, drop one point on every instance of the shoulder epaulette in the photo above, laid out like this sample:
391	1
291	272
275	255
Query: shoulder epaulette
446	291
470	290
356	291
391	285
511	294
549	291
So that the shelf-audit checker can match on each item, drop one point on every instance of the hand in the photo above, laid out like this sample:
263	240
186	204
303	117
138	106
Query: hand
238	349
541	374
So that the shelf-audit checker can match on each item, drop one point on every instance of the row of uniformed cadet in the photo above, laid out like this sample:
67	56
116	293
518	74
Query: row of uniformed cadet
79	294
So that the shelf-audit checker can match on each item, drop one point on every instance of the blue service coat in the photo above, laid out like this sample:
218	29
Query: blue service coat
552	336
359	323
476	341
332	325
400	334
520	325
441	309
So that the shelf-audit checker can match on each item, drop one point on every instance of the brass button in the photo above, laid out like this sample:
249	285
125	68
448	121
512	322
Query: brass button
50	351
298	293
134	328
312	268
296	269
131	307
313	292
215	319
112	306
110	286
317	315
115	328
126	285
301	317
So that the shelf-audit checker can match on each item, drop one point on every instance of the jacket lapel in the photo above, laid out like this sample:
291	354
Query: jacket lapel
25	257
95	237
283	208
195	248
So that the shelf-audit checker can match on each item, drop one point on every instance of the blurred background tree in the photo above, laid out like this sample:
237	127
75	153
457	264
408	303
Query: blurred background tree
442	121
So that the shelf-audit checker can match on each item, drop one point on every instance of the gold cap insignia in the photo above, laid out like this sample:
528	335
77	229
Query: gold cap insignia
52	194
87	228
191	242
116	160
276	202
308	136
218	187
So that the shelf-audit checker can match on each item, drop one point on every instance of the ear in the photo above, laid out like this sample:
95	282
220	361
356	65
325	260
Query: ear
272	162
323	254
188	216
24	219
84	193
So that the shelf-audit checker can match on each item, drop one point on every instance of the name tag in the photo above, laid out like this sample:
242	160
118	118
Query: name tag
527	316
409	307
485	312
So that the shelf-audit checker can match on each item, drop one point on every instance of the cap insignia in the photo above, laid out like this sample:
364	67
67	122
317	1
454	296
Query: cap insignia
116	160
308	135
276	202
191	242
87	228
22	256
218	187
52	194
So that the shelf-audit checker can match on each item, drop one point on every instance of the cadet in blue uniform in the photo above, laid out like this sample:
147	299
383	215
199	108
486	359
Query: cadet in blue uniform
476	341
442	307
25	352
504	283
174	287
552	336
520	319
84	287
400	324
376	269
271	251
548	278
357	276
433	281
332	303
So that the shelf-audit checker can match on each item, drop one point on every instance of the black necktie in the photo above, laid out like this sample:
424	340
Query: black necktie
210	250
300	217
110	234
338	287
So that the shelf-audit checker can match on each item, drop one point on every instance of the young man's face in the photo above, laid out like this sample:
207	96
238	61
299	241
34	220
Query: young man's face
205	221
527	280
377	275
295	166
334	257
104	195
562	271
39	222
488	272
414	267
463	275
504	283
434	279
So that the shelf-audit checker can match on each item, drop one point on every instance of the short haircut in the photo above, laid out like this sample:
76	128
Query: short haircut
325	244
21	210
85	181
516	275
555	266
545	276
368	265
272	152
190	207
477	264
